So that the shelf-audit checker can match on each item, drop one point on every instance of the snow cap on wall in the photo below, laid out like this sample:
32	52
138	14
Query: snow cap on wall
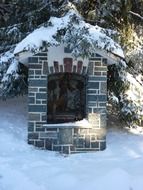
72	30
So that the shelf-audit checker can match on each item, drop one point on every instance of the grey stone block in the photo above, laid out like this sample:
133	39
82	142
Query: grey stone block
37	108
33	135
102	145
39	144
31	100
96	78
97	98
102	104
33	60
93	85
40	129
42	89
34	117
90	68
57	148
41	96
30	142
30	128
103	87
87	141
48	135
30	72
65	136
66	150
42	58
95	145
102	68
37	83
38	72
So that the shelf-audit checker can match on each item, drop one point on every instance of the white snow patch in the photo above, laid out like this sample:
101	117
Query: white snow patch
24	167
96	36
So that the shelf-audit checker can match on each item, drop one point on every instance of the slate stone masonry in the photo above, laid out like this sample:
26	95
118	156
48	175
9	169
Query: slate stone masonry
67	139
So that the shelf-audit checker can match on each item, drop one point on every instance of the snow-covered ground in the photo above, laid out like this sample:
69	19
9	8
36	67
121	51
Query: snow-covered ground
23	167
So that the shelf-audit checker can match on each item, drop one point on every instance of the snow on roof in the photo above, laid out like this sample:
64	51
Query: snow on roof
72	30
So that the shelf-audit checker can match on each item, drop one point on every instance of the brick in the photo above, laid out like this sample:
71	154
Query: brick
99	63
35	66
96	78
90	68
79	66
34	117
31	100
30	89
42	89
57	148
103	120
102	68
65	136
48	135
48	144
68	64
96	97
56	66
30	128
40	129
87	141
102	145
61	68
91	91
80	143
33	135
104	62
37	83
37	108
38	101
84	70
41	96
97	73
39	144
31	142
51	129
30	72
51	69
103	87
102	104
74	68
33	60
94	144
38	72
45	68
93	85
66	150
42	58
31	124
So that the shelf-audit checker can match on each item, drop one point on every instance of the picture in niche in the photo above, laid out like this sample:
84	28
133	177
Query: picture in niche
66	97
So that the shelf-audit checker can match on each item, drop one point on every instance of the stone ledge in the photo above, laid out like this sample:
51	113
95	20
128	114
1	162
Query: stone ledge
79	124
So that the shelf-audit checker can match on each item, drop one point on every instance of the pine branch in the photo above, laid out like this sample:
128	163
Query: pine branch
136	14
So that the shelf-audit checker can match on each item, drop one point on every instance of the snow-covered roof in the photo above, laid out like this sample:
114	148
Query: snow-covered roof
81	37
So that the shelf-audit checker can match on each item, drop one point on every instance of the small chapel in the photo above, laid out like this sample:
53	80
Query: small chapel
67	84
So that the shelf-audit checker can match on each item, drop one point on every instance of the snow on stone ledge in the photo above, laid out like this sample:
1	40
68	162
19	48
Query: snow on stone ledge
95	36
78	124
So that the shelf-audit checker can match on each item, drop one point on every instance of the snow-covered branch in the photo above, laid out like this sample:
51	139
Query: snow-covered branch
136	14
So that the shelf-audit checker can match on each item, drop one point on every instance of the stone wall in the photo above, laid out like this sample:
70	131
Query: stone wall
67	139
